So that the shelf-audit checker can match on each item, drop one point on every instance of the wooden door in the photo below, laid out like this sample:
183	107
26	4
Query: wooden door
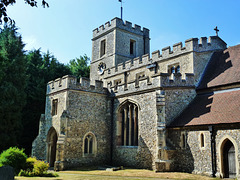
231	162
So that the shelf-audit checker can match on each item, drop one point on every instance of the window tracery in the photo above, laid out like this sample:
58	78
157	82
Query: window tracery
128	125
89	146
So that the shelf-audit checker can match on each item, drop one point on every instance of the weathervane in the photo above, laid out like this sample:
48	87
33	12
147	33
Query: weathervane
216	29
121	9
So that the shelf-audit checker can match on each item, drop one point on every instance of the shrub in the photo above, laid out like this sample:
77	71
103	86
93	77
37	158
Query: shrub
14	157
40	167
26	173
30	163
36	168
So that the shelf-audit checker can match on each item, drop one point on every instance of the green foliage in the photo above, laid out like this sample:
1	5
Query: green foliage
13	157
80	66
23	80
40	167
41	68
25	173
31	174
30	163
12	86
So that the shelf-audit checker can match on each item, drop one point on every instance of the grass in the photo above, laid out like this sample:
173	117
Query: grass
127	174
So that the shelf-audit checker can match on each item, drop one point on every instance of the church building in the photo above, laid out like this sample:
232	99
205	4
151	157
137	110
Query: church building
174	110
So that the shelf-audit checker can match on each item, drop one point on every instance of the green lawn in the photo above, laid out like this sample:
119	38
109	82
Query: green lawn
127	174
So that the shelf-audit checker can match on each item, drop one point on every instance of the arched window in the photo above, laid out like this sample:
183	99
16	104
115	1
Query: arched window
127	126
89	145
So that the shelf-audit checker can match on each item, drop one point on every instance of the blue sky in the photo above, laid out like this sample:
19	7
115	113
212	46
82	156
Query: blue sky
65	28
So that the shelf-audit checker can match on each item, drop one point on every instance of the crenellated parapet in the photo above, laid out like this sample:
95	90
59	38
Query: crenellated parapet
213	43
176	80
191	45
70	82
118	23
162	81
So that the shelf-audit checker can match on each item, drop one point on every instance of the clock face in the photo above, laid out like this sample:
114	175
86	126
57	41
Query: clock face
101	68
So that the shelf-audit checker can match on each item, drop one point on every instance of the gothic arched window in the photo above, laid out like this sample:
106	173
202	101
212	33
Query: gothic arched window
89	145
127	126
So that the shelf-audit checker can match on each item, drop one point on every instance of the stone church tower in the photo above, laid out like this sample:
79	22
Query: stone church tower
115	43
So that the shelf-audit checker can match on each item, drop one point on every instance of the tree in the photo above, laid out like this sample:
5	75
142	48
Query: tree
35	99
5	3
53	68
12	86
40	70
80	66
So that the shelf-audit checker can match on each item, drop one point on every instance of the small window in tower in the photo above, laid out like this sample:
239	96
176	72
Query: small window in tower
132	47
103	48
54	107
202	140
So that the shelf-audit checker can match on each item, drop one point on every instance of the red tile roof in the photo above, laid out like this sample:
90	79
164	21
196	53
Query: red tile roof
223	68
211	108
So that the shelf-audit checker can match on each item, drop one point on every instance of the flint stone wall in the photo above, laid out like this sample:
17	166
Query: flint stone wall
39	149
143	155
176	101
89	112
197	159
108	58
192	158
233	135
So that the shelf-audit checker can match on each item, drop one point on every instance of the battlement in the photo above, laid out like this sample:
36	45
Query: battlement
70	82
162	80
191	45
167	80
118	23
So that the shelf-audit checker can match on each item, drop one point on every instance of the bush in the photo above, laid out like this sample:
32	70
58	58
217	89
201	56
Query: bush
40	167
14	157
36	167
26	173
30	163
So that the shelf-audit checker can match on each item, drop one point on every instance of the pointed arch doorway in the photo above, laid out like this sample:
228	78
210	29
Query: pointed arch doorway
52	146
228	159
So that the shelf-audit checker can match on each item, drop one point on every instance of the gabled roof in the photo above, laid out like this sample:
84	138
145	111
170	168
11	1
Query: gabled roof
222	69
209	109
